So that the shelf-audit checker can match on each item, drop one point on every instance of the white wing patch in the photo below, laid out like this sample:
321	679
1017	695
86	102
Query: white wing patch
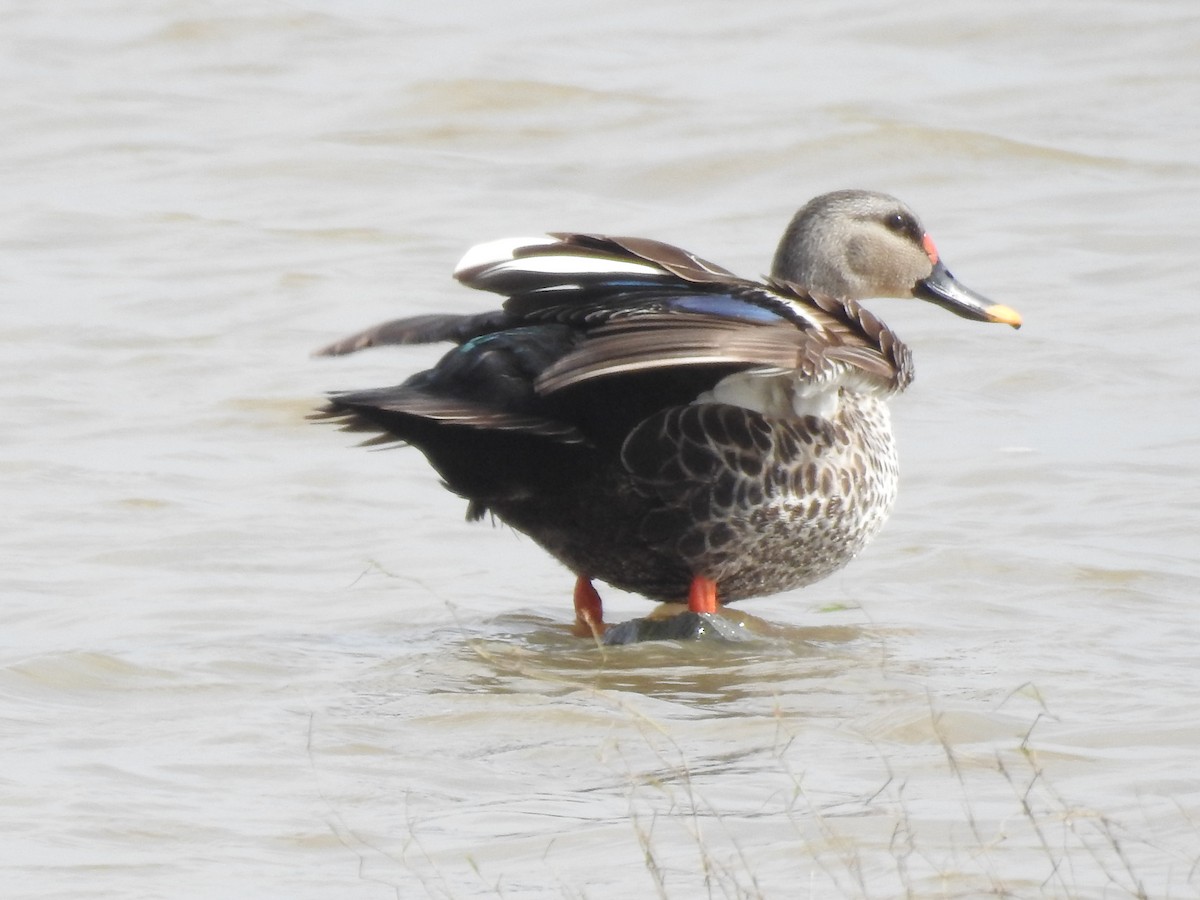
499	258
498	251
567	266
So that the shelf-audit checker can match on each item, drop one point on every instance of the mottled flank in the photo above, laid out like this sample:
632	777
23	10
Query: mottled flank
757	503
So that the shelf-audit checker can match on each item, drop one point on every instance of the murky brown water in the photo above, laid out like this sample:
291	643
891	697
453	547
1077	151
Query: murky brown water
241	658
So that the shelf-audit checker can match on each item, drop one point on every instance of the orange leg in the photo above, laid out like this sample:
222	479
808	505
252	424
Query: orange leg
702	595
589	610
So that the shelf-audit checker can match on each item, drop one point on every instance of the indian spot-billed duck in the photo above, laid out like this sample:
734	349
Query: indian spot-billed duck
658	423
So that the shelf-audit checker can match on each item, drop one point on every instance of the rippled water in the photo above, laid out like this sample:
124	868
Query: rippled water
242	658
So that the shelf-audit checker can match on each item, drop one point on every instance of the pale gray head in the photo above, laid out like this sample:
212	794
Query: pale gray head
860	244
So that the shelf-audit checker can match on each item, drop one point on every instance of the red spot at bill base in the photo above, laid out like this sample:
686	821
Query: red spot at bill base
930	250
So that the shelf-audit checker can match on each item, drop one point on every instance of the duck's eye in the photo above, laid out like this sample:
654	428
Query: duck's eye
903	224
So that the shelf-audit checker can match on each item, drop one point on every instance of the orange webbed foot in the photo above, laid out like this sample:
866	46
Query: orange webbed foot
589	610
702	595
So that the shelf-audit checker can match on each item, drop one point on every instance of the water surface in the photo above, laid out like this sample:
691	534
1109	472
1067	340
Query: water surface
242	658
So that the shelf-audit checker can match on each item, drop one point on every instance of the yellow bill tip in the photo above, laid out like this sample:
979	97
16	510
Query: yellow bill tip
1004	314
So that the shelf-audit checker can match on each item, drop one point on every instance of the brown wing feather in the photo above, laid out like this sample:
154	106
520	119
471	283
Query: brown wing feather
668	257
858	337
653	342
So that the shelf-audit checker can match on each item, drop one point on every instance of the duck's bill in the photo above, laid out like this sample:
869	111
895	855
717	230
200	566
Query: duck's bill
949	293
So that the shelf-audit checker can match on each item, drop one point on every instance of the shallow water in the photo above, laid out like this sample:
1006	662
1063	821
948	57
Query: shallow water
241	657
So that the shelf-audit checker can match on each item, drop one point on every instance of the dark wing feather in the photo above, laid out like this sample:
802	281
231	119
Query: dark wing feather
420	330
388	408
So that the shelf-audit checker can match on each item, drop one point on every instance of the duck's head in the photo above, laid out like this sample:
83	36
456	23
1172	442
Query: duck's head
860	244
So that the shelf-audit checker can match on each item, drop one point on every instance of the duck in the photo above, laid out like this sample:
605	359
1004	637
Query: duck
656	422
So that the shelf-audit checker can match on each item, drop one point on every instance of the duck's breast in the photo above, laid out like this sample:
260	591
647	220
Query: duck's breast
763	503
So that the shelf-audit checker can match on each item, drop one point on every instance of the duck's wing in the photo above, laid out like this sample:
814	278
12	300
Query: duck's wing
588	309
645	305
538	274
